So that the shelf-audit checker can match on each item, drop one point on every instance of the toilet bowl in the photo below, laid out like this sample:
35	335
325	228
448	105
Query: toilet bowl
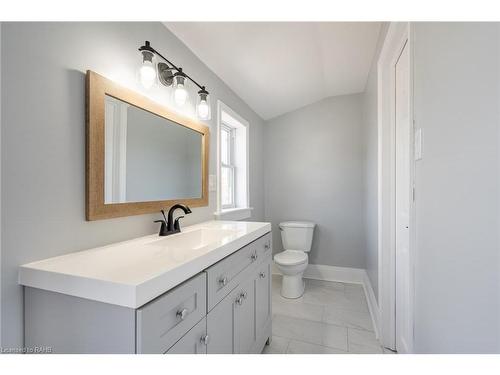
296	237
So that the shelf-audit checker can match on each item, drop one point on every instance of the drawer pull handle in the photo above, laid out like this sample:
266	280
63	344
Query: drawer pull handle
243	295
267	246
262	275
239	300
254	257
223	281
205	339
182	314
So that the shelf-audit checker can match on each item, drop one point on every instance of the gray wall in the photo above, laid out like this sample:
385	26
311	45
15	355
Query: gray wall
43	139
314	172
370	157
457	81
0	184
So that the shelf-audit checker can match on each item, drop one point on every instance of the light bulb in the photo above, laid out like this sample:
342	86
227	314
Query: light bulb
180	95
147	74
203	110
203	104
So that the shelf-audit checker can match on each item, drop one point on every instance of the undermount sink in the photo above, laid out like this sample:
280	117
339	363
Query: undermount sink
195	239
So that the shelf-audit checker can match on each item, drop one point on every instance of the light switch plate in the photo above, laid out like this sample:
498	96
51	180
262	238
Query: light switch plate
418	144
212	182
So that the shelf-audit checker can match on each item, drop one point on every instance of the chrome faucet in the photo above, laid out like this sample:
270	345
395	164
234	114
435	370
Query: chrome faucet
169	225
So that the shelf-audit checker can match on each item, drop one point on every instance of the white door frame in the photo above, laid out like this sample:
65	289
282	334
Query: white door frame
398	34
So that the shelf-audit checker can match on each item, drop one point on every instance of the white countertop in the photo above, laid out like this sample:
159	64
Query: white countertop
134	272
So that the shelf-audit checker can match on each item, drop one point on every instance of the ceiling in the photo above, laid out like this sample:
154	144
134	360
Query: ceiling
277	67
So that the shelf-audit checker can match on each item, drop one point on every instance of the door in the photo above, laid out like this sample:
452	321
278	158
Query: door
193	342
404	329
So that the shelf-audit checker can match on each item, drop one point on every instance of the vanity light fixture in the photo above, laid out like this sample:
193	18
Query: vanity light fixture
169	74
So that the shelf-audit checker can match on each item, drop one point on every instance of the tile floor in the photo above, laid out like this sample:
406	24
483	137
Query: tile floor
330	318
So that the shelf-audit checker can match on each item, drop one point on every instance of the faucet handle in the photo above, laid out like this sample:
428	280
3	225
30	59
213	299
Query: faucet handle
177	225
163	228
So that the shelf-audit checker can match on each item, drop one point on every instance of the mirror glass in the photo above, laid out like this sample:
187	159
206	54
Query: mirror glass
147	157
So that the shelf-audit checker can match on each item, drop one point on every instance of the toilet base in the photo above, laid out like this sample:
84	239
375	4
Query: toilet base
292	286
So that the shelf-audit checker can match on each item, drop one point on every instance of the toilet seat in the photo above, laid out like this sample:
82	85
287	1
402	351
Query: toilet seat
290	258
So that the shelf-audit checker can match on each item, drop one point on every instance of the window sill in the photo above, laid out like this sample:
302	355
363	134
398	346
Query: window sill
238	213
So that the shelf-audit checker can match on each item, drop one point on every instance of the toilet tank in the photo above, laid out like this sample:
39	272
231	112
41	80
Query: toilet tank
297	235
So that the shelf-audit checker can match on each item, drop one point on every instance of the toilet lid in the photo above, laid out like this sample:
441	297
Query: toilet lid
290	257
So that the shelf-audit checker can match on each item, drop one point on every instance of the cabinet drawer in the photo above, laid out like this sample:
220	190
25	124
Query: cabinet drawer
227	274
163	321
193	342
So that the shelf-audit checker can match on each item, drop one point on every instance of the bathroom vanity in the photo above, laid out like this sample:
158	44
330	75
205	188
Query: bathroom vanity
205	290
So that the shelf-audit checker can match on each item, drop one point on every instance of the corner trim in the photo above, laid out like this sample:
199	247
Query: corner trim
372	304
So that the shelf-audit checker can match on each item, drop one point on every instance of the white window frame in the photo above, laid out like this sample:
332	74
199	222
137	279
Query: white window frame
232	166
241	161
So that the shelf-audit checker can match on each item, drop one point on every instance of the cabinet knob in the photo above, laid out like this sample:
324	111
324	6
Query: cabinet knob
205	339
239	300
223	281
253	256
262	275
267	246
182	314
243	295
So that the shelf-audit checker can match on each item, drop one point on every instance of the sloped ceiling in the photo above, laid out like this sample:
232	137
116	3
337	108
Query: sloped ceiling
277	67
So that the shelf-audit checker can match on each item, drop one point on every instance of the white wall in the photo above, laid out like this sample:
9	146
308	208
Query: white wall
43	141
370	152
457	97
314	172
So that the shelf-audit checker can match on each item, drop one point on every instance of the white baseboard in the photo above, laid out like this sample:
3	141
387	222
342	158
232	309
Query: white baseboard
334	273
345	275
331	273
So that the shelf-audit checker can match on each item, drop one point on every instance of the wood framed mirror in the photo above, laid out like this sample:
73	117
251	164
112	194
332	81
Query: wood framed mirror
140	156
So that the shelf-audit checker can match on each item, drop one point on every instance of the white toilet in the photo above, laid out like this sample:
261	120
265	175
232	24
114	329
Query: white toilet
297	239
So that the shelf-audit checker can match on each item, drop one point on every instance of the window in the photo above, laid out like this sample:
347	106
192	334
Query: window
228	168
233	197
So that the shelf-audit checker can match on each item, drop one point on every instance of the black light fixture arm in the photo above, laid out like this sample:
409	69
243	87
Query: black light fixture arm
147	47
